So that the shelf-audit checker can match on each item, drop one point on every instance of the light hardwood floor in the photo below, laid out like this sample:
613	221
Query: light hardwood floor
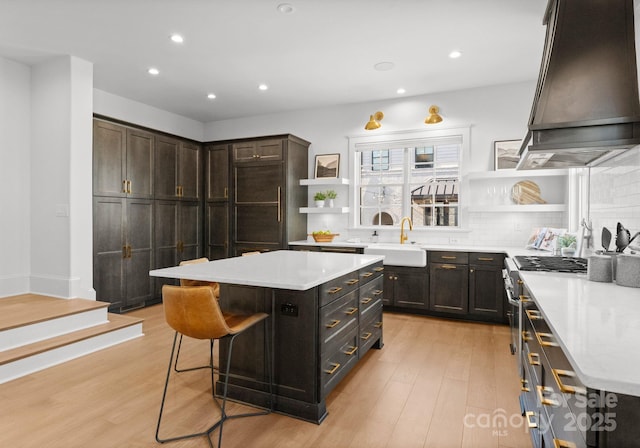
436	383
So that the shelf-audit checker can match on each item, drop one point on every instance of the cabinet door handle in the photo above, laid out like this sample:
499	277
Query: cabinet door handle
448	266
129	187
448	257
549	342
366	300
279	204
524	385
352	351
178	190
559	443
351	311
331	371
124	186
472	270
526	336
378	269
366	336
128	251
335	289
534	314
124	251
485	258
352	281
377	292
226	192
367	274
566	388
534	359
378	325
541	390
530	423
525	299
334	323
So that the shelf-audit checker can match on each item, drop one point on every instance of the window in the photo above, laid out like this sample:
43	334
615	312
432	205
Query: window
415	177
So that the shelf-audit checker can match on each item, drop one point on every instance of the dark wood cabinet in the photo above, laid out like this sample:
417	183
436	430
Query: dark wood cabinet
449	282
217	196
487	296
122	161
406	287
178	169
122	235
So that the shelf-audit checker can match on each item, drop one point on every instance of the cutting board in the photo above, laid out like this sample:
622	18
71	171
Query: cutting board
526	192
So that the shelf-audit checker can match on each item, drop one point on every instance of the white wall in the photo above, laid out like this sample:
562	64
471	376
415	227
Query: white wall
15	110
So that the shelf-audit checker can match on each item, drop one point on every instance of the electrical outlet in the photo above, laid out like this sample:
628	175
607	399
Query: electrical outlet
453	240
289	309
517	226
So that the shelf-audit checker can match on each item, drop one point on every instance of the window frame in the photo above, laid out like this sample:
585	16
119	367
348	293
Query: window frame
404	139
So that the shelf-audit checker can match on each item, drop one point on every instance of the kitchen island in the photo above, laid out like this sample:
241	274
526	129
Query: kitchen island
325	314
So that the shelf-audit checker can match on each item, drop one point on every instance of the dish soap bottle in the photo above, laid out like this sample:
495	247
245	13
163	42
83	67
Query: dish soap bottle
374	237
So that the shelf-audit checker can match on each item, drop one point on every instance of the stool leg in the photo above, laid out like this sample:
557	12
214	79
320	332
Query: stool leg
166	384
209	366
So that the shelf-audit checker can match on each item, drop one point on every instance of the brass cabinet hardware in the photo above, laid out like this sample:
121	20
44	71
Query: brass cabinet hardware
367	274
566	388
528	416
124	186
129	251
279	203
526	336
366	336
448	257
129	187
335	365
226	192
354	349
534	359
335	289
351	311
559	443
124	251
525	299
448	266
333	323
541	390
534	314
485	258
520	282
378	325
472	270
524	385
178	190
378	269
377	292
366	300
549	342
352	281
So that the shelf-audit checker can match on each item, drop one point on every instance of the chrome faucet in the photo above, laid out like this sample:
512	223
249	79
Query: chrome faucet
403	236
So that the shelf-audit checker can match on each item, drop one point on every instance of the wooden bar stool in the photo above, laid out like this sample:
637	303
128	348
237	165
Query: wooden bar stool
193	311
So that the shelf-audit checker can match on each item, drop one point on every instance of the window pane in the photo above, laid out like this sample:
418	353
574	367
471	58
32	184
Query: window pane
380	205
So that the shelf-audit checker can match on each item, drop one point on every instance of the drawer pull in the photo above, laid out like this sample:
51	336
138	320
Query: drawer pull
534	359
378	325
558	443
566	388
351	311
377	292
448	266
352	351
378	269
333	323
534	314
528	416
335	289
366	300
366	336
485	258
544	400
367	274
352	281
526	336
524	385
549	342
448	257
335	367
525	299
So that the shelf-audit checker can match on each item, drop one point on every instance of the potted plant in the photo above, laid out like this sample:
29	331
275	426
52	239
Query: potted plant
319	197
331	195
567	245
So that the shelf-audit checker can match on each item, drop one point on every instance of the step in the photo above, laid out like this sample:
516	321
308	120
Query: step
30	358
28	318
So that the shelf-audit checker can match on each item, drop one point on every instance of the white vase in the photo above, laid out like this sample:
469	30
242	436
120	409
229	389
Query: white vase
320	204
329	202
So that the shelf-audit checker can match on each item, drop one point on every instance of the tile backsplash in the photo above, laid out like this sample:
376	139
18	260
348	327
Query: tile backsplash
614	195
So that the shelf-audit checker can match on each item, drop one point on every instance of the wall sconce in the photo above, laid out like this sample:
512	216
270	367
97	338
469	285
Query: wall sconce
374	121
433	117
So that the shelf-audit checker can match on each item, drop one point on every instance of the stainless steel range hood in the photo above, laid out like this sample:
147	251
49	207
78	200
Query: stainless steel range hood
586	106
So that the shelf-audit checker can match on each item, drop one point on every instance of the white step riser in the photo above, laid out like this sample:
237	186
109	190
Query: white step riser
28	334
59	355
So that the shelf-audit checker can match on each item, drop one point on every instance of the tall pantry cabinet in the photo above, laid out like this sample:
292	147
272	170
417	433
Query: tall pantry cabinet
147	210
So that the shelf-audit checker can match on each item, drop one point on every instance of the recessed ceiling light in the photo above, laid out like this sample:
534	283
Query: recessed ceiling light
285	8
177	38
153	71
211	96
384	66
455	54
401	91
263	87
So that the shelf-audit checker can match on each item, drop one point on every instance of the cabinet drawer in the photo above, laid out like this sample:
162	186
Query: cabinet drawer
491	259
336	363
370	272
449	257
338	317
370	328
371	294
336	288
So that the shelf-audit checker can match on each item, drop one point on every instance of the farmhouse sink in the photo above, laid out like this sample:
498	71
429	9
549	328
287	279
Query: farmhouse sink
399	254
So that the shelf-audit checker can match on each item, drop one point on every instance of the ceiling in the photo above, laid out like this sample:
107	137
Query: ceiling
321	54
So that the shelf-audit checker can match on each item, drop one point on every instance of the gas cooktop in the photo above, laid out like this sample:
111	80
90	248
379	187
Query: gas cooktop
551	264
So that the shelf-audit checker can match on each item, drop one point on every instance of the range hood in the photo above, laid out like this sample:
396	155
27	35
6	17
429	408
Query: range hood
586	106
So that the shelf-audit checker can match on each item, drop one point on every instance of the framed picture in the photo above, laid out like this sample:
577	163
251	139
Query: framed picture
506	154
327	165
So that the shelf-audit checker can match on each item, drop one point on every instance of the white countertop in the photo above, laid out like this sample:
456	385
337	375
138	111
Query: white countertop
596	324
281	269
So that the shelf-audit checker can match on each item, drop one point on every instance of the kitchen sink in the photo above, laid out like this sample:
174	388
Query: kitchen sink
399	254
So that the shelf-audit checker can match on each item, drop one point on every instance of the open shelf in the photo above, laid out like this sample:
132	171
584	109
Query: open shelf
505	174
325	181
336	210
528	208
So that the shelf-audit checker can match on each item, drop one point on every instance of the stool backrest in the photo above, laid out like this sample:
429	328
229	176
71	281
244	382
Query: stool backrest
187	282
194	311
